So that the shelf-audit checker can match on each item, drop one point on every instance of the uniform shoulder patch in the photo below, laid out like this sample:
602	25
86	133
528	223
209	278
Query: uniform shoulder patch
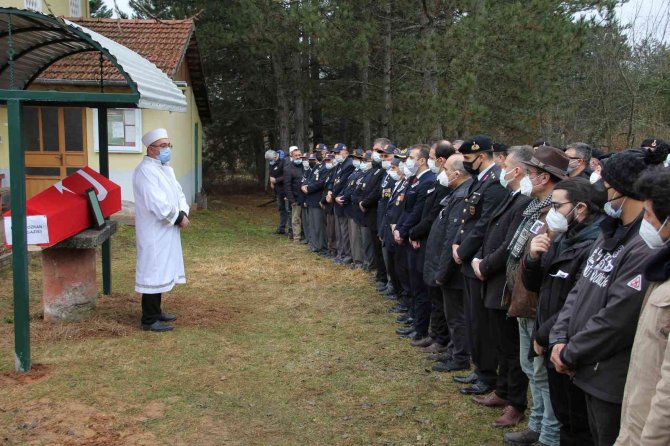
636	283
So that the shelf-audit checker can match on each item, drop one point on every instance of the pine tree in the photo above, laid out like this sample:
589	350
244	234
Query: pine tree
99	9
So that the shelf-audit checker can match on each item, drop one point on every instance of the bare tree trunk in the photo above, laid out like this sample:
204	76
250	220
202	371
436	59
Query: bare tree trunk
430	88
386	80
299	102
316	114
283	110
365	95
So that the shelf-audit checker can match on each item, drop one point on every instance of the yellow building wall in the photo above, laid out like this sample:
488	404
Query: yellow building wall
57	7
180	127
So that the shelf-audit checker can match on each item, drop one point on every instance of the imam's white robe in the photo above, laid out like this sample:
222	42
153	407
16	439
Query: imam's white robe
158	200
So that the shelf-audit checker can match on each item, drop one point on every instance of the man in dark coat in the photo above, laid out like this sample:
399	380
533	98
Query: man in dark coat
501	340
293	173
313	190
420	183
484	196
343	169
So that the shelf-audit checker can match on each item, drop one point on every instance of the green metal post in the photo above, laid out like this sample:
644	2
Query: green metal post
104	171
17	184
196	140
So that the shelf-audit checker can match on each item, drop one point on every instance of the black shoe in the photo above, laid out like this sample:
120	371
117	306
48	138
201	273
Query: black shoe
441	357
415	336
451	366
279	232
411	335
167	317
390	297
470	379
403	318
409	321
405	330
398	309
478	388
157	326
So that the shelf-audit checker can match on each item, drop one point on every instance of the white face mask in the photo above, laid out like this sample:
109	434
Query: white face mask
443	178
305	164
376	157
432	166
357	163
410	167
651	236
556	221
365	166
329	166
339	158
406	171
503	181
526	186
386	165
594	178
394	175
612	211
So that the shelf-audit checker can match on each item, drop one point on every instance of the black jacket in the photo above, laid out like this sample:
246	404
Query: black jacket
292	181
553	275
386	189
339	182
415	199
431	208
498	235
393	213
599	318
439	265
277	172
315	184
371	193
484	197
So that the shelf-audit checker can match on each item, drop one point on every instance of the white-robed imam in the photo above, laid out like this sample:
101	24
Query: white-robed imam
161	212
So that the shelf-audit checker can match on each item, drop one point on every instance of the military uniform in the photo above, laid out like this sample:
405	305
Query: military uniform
317	223
342	172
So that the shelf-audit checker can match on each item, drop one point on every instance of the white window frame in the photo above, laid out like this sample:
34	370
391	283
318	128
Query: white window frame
137	148
75	8
34	5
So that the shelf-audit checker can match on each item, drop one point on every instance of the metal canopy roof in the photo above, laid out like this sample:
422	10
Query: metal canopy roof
36	40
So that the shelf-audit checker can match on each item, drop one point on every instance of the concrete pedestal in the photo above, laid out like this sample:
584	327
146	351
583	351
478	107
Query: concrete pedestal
70	289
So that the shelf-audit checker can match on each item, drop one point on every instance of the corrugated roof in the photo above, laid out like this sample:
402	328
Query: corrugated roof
38	40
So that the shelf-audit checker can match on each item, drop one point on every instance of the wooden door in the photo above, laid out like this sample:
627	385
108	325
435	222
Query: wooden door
54	139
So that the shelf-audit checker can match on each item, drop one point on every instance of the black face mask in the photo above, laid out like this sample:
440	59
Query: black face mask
469	166
312	164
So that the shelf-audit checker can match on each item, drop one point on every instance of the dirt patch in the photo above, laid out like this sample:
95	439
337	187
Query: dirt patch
118	316
38	372
46	421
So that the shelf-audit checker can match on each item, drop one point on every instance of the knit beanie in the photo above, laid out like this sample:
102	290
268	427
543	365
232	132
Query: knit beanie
624	168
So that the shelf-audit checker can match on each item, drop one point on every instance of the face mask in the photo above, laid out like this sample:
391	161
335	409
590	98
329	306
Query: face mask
556	221
406	171
165	155
667	160
431	165
594	178
526	186
410	167
305	164
376	157
357	163
297	162
443	178
395	175
339	158
470	167
273	162
651	236
365	167
611	210
386	165
572	165
503	181
329	166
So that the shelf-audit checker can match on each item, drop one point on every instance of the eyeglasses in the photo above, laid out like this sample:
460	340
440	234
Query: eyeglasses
163	146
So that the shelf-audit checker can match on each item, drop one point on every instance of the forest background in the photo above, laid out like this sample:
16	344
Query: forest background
301	72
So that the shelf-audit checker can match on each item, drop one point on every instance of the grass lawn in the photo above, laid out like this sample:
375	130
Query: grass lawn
273	346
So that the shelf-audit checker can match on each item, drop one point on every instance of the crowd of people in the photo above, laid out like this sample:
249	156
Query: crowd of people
537	267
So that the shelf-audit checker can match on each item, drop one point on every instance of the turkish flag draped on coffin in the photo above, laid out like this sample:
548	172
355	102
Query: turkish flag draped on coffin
62	210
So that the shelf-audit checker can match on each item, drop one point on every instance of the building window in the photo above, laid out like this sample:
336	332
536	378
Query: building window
75	8
124	128
35	5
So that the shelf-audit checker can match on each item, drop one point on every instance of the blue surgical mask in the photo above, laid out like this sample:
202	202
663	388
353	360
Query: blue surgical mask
614	212
297	162
165	155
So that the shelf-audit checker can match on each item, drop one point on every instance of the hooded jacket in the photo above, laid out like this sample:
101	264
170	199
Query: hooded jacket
598	320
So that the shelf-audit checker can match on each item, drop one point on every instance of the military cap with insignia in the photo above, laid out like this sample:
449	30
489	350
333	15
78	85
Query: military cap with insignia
401	154
358	153
476	145
339	147
499	147
389	149
320	146
311	156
